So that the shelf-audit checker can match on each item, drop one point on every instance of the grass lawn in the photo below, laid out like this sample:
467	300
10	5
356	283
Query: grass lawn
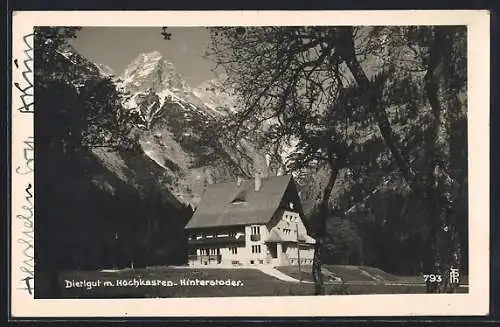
252	283
293	271
246	282
355	274
347	273
379	273
380	289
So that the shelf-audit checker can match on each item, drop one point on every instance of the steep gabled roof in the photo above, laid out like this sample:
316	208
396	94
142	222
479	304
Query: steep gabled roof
228	204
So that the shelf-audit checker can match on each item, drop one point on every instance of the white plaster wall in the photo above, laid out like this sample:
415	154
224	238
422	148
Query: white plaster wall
290	220
256	257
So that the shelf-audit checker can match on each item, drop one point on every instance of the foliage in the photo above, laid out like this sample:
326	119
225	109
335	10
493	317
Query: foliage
83	206
375	102
343	243
92	110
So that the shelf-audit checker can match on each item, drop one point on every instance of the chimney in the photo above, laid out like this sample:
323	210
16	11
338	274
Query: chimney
258	181
239	180
210	178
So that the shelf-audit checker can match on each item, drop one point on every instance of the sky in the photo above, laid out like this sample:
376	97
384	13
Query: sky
116	47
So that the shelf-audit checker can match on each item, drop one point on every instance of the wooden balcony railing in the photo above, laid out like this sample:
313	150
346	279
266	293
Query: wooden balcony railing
218	240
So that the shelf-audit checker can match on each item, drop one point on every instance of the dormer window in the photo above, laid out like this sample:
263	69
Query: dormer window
240	197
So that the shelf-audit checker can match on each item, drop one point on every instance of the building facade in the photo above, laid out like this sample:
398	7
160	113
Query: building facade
258	222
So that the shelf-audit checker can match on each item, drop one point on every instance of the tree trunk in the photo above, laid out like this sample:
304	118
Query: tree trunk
442	96
347	53
432	80
319	287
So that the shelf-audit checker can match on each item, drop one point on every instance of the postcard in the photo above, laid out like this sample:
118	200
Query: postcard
250	163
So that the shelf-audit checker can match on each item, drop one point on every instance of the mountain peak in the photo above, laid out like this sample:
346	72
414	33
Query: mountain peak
146	58
153	55
150	70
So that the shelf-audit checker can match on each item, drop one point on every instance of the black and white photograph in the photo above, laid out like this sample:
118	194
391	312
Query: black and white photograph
248	160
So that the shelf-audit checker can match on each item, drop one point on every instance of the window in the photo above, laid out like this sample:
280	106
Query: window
287	231
261	261
234	250
255	230
255	248
214	251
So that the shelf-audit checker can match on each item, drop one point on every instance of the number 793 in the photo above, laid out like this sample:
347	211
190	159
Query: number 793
433	278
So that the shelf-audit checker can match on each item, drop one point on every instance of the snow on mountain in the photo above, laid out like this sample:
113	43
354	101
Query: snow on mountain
180	152
151	72
105	70
213	94
176	126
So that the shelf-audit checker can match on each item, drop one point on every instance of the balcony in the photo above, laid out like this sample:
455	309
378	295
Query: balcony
255	237
210	258
217	240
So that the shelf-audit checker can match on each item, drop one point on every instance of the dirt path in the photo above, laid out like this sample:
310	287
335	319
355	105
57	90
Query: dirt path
278	274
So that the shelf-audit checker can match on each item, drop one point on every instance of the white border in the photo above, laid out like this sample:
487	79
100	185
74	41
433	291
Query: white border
476	302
